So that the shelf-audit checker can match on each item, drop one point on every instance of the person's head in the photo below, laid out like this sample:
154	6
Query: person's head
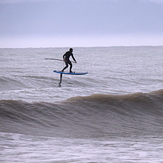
71	49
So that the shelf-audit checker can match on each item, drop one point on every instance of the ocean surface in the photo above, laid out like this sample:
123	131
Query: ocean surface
113	114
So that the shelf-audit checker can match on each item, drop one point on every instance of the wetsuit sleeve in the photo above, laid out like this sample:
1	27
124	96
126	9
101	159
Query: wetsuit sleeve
73	57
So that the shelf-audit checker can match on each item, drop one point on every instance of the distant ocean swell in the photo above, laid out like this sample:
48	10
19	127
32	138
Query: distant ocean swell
19	83
97	115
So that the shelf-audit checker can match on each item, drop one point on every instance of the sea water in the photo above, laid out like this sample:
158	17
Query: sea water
112	114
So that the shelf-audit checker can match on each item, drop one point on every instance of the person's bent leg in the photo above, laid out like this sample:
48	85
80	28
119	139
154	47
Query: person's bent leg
70	67
65	67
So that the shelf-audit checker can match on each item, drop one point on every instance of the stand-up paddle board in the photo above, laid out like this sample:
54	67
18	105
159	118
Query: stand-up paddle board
71	73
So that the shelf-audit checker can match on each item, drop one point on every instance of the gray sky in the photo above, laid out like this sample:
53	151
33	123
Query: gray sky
54	23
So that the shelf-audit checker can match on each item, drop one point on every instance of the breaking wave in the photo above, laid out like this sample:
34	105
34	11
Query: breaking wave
94	116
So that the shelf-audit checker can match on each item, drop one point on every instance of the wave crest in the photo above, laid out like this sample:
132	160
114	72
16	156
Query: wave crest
90	116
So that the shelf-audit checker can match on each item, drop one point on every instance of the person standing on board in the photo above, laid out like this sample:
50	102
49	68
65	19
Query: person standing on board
66	58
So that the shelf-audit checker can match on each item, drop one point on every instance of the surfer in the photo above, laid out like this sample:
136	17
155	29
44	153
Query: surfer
66	58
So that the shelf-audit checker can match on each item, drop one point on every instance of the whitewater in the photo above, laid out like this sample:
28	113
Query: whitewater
112	114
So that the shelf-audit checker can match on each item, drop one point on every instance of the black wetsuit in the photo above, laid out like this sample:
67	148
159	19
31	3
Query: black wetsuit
66	58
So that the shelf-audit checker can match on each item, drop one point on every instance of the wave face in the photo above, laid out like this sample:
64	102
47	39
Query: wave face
94	116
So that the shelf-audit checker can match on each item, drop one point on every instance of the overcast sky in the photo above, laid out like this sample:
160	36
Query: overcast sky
55	23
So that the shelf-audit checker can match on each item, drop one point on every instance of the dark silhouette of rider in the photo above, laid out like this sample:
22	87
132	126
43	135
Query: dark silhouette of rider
66	58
